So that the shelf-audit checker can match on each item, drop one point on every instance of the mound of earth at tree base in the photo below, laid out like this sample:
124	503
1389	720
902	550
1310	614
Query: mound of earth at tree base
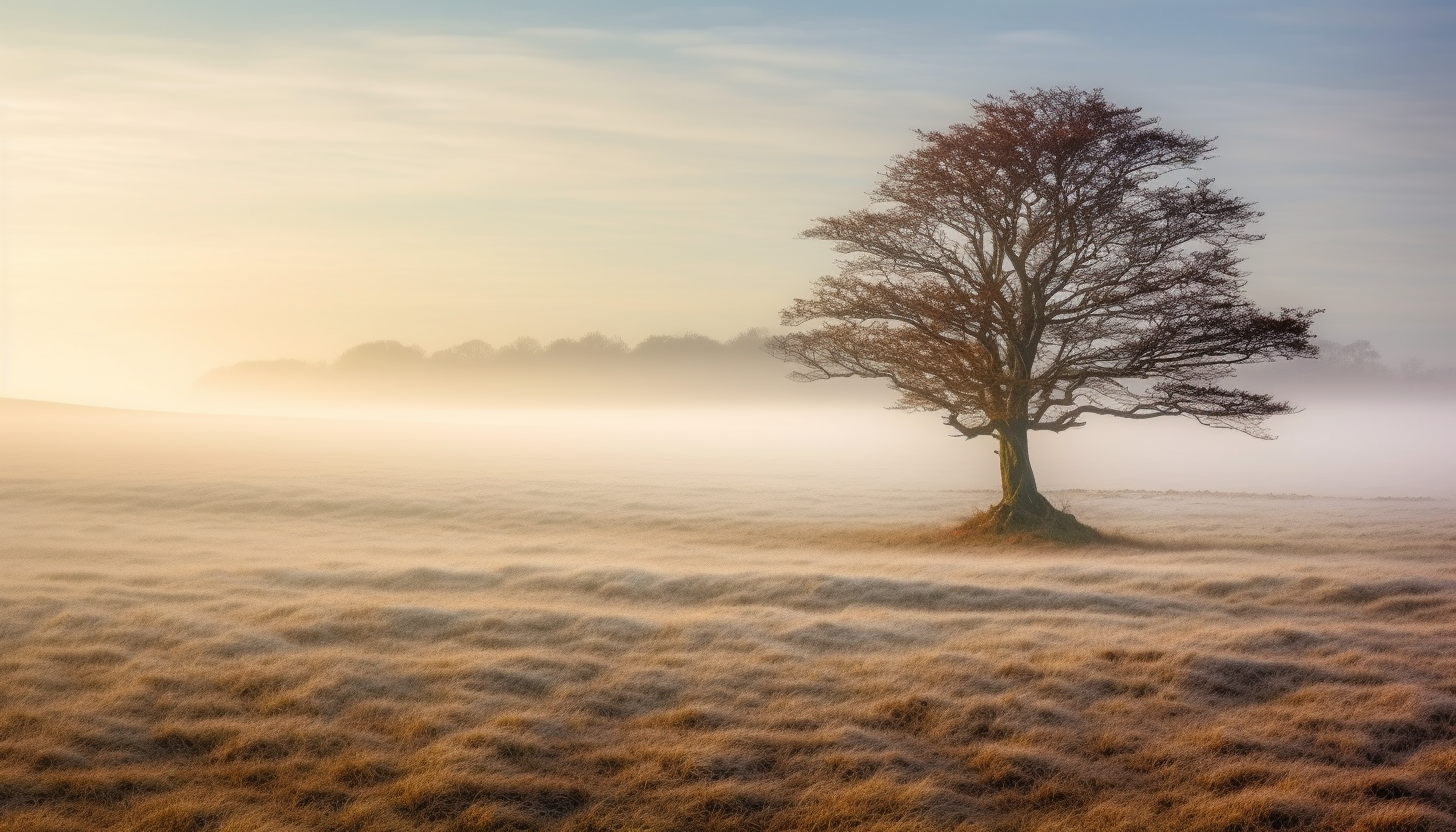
1006	522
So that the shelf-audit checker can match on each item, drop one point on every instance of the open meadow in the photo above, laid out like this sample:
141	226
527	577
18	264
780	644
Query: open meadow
696	622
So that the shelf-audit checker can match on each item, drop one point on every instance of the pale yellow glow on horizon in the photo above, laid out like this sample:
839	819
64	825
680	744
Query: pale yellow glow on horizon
176	206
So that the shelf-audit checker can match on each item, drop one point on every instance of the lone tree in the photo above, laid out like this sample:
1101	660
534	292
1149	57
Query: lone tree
1036	266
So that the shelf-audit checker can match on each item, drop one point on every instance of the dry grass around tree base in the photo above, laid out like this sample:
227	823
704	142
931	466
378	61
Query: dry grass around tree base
1021	525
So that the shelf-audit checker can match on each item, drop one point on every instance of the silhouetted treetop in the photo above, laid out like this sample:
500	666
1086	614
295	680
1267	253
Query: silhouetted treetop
1041	264
469	353
380	355
593	346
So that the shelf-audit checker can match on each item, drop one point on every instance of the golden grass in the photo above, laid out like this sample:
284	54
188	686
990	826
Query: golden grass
356	650
614	698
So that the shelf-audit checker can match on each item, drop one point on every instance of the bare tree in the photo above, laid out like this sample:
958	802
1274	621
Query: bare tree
1037	266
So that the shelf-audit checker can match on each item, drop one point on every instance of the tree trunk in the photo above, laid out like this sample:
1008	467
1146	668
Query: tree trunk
1018	481
1023	509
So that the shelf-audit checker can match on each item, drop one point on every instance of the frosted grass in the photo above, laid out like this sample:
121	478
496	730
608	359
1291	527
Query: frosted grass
244	623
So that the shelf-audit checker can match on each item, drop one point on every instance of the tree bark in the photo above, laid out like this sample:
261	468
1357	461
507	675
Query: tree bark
1023	509
1018	481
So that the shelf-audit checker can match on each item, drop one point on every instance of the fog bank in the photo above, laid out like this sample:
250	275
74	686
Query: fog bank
1335	447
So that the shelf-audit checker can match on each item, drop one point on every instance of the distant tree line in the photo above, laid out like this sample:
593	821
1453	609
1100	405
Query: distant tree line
590	369
590	350
668	367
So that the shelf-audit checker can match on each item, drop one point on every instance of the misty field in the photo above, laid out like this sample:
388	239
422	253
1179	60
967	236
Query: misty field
215	623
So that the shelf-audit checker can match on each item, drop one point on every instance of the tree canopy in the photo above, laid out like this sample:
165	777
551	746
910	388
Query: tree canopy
1041	264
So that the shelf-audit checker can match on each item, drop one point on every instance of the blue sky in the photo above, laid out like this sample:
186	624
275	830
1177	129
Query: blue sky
190	184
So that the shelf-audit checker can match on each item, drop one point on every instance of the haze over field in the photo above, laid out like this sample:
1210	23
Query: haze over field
627	622
688	394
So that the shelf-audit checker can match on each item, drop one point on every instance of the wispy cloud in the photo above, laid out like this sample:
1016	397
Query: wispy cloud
1037	37
376	109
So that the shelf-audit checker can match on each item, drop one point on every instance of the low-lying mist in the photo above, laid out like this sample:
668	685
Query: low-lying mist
717	619
1364	428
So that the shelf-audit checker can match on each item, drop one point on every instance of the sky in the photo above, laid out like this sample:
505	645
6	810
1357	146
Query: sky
185	185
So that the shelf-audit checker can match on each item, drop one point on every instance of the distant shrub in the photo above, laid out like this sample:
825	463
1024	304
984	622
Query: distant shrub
474	352
749	341
690	345
593	346
380	355
521	348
